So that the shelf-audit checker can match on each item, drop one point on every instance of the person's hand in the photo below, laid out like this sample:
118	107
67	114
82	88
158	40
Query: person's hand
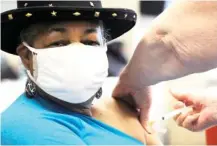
181	41
204	113
139	99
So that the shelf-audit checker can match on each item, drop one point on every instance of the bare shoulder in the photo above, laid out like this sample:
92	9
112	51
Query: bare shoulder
111	106
119	115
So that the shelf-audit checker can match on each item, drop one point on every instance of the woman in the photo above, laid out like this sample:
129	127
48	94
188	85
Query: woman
63	49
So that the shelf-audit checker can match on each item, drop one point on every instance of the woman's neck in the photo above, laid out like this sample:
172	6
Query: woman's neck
83	108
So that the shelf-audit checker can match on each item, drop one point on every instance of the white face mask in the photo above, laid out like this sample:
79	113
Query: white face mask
72	73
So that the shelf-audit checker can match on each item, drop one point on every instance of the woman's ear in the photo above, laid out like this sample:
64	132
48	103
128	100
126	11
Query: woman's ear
25	56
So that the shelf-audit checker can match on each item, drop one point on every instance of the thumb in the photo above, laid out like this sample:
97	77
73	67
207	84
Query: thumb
144	100
144	116
145	106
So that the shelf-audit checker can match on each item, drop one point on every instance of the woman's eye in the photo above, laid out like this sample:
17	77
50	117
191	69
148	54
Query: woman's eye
91	43
58	44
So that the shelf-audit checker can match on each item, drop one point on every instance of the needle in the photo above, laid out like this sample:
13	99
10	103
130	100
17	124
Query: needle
155	123
172	114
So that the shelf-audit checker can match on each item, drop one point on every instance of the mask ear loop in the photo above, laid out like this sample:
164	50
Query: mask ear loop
35	65
34	60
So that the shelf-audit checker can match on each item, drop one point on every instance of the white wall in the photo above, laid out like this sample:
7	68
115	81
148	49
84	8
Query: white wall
7	5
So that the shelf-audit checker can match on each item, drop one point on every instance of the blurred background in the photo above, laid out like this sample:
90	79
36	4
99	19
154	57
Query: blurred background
13	76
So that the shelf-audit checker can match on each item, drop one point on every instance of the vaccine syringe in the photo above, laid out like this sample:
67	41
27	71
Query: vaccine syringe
156	123
173	113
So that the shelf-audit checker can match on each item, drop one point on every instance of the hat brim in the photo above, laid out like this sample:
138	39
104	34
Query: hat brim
116	21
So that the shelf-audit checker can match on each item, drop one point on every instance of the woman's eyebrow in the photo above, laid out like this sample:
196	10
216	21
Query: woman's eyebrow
57	29
90	30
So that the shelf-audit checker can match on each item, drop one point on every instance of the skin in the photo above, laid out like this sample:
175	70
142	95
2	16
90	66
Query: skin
116	113
180	41
204	112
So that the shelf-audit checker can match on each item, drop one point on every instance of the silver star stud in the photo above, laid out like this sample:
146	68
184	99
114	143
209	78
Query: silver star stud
76	14
28	14
97	14
125	15
50	5
54	13
114	14
91	3
10	16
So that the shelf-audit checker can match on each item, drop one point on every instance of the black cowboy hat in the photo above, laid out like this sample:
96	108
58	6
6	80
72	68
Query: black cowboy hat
116	21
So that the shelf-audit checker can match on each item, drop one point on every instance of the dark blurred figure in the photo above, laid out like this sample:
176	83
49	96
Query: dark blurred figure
151	7
6	71
116	58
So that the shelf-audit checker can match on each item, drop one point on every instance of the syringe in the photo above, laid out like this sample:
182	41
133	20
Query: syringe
175	112
156	123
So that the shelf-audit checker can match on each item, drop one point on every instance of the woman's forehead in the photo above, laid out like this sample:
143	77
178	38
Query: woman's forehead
77	23
73	25
65	29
